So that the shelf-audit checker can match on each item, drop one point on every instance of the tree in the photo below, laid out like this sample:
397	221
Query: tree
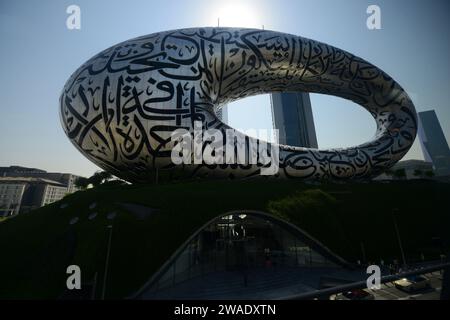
82	182
100	177
400	173
429	173
106	176
389	173
418	173
114	182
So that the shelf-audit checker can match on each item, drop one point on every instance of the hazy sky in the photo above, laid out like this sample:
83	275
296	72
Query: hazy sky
38	54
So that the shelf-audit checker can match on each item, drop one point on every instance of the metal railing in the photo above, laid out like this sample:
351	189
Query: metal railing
324	293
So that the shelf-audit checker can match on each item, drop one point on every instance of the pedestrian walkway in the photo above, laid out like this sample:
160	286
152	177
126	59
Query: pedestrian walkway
264	283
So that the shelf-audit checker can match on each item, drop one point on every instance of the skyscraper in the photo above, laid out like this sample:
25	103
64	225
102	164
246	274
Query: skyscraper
434	145
292	116
222	114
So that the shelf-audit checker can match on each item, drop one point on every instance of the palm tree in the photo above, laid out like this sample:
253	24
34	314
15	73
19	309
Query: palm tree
100	177
82	182
106	176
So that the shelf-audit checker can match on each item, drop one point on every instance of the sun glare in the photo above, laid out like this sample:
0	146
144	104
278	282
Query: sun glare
235	15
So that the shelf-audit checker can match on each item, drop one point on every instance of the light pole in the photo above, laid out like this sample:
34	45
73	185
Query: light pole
105	276
363	251
394	211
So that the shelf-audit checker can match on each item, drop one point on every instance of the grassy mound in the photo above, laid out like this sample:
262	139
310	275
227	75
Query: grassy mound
37	247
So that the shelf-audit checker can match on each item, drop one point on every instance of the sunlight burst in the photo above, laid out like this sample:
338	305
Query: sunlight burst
236	15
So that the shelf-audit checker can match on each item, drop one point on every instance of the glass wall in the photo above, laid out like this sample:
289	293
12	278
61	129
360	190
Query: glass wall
240	243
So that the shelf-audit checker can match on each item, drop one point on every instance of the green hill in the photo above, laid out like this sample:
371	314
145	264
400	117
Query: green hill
37	247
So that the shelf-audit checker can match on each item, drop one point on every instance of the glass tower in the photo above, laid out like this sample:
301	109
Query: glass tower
434	145
222	114
292	116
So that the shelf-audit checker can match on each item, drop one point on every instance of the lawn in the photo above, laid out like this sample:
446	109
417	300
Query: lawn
38	246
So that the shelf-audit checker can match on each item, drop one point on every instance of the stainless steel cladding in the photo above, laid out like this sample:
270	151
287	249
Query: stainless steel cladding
121	107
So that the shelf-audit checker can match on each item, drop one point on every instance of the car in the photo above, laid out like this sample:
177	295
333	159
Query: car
412	283
355	294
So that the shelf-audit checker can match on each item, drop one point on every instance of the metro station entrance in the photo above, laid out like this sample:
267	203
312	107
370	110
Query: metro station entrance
240	243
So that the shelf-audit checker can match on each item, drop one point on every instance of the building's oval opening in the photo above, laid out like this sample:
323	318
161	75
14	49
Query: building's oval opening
336	122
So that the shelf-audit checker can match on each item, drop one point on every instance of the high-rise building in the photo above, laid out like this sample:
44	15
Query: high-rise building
434	145
292	116
222	114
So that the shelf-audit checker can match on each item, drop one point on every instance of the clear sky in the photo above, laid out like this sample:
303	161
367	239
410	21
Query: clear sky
38	54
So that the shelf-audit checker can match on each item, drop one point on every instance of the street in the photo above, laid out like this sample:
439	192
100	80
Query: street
389	292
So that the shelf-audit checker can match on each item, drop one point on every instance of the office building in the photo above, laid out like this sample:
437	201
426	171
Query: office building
413	169
66	179
292	116
434	145
23	189
21	194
